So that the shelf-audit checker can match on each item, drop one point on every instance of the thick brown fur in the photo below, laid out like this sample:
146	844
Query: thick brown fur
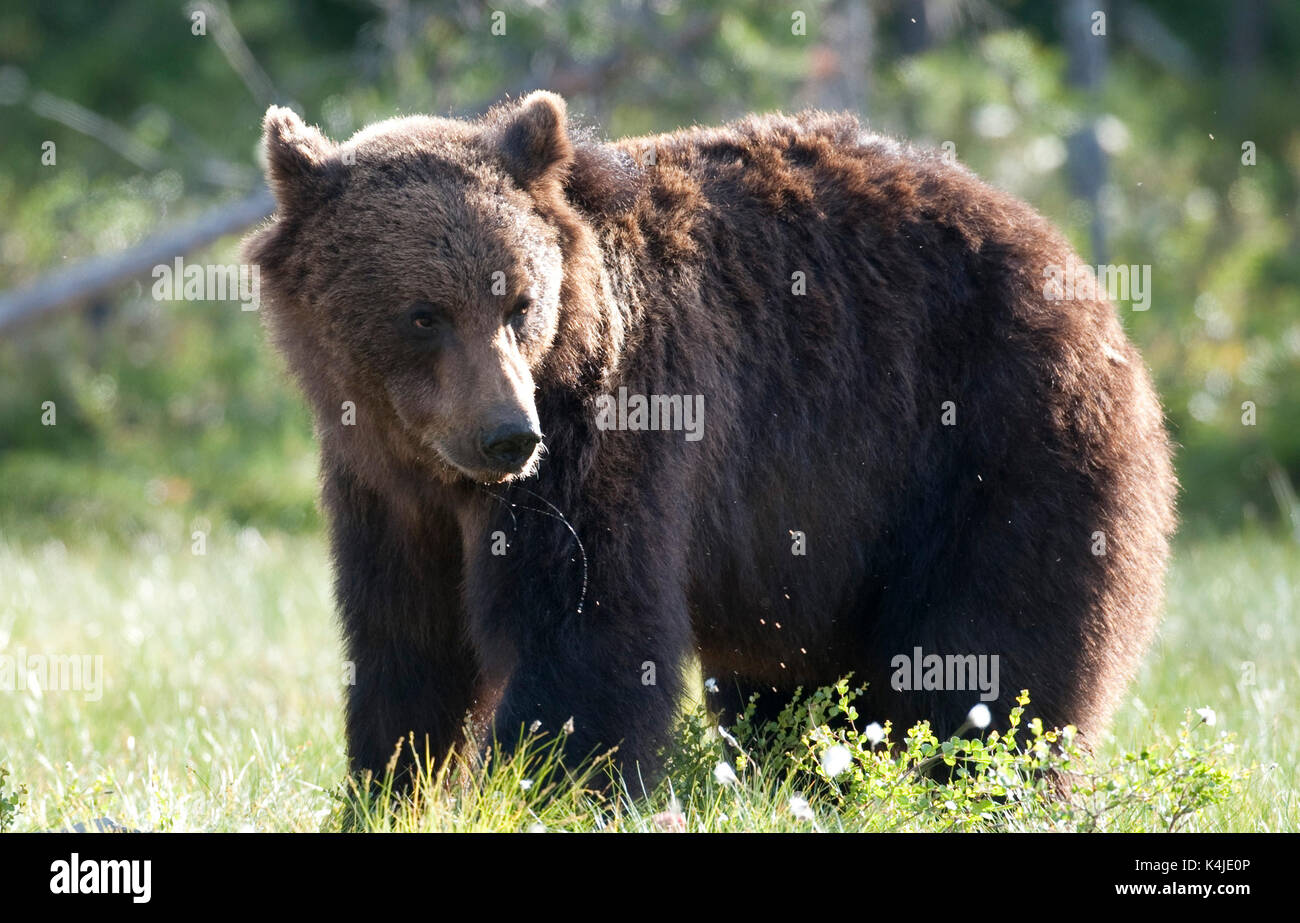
664	265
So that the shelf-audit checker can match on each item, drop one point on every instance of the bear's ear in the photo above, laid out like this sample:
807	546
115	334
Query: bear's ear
532	139
298	159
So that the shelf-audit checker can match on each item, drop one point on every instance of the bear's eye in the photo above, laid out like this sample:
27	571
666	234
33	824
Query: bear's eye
519	311
423	321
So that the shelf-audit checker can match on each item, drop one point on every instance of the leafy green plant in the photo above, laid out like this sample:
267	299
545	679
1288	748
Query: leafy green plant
1029	777
10	802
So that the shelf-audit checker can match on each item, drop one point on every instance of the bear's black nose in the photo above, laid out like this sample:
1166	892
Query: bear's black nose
510	445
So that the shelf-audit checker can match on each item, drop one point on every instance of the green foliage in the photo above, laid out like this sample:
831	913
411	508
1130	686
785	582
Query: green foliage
164	414
183	399
1028	778
10	801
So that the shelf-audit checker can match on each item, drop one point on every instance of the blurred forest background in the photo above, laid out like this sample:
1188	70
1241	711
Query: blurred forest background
1134	141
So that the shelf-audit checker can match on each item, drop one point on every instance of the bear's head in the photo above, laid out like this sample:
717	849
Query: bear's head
427	274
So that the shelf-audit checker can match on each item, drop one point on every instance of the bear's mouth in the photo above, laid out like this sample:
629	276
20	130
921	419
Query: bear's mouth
490	476
481	473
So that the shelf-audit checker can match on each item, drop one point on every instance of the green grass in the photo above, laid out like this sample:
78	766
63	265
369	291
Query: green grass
1231	641
222	691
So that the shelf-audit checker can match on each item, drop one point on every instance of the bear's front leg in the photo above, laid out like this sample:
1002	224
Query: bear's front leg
413	672
602	686
603	666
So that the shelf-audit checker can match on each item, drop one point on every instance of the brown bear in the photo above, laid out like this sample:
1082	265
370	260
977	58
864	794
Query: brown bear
785	398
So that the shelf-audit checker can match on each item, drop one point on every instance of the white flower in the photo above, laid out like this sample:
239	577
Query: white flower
875	733
728	737
711	685
1207	715
536	827
525	784
724	774
979	716
836	759
800	808
567	727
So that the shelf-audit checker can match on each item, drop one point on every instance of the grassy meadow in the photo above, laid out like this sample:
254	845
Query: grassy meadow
220	706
